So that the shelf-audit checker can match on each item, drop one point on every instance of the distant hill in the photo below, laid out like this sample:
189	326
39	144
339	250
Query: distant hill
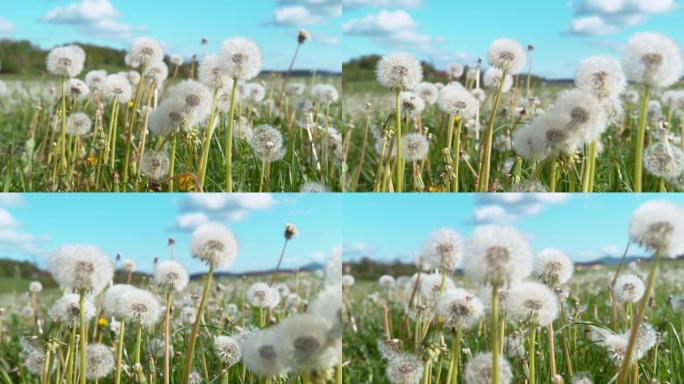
363	69
21	57
366	268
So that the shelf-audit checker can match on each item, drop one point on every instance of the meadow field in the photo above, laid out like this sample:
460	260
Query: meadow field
508	315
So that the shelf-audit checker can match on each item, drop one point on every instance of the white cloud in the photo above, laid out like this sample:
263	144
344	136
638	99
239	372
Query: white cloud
350	4
503	208
11	199
325	39
612	250
352	251
600	17
93	17
381	23
6	26
198	208
6	220
300	13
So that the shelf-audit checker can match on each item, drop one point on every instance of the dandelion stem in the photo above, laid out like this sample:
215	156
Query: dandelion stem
187	366
229	138
400	161
532	354
627	360
206	143
167	337
82	339
588	175
495	334
454	362
486	156
119	353
641	133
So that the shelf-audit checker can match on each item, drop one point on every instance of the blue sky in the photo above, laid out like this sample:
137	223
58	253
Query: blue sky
181	25
139	225
563	31
389	227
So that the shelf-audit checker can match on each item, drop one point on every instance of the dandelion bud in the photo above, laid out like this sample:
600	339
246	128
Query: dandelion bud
290	231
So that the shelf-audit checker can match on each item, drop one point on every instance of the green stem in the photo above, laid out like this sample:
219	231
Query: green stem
452	377
483	180
641	134
229	139
119	353
588	175
82	339
172	160
167	337
400	161
187	366
627	360
495	333
531	354
206	144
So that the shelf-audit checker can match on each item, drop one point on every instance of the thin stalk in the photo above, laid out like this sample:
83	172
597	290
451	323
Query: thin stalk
486	157
187	366
167	336
495	334
280	260
627	360
208	134
229	139
119	353
457	155
552	353
172	160
587	176
641	133
82	339
400	161
452	377
531	354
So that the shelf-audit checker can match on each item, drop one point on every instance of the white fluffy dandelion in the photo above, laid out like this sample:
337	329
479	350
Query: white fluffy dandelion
479	370
443	250
404	368
227	349
78	124
67	310
507	54
171	276
456	100
66	61
628	288
99	361
659	225
428	92
459	308
399	71
497	255
240	58
554	267
267	143
414	146
260	356
601	76
261	295
139	305
81	268
214	244
653	59
145	51
118	88
412	105
533	302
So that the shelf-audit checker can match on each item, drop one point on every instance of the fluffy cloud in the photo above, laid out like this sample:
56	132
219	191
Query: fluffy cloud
353	251
398	30
505	208
13	240
350	4
301	13
11	199
6	26
612	250
196	209
600	17
94	17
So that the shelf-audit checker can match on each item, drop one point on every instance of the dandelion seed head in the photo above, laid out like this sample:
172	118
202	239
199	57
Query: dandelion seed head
260	355
456	100
227	349
534	302
582	114
267	143
78	124
95	79
659	225
387	282
328	306
214	244
117	88
455	70
404	368
35	287
171	276
302	341
77	89
459	308
176	60
295	89
601	76
240	58
443	250
652	59
507	54
494	76
324	93
399	71
145	51
428	92
412	105
663	159
156	164
554	267
139	305
66	61
515	345
255	92
113	296
211	74
99	361
479	370
497	255
156	73
261	295
81	268
348	280
628	288
431	285
67	309
414	146
195	97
